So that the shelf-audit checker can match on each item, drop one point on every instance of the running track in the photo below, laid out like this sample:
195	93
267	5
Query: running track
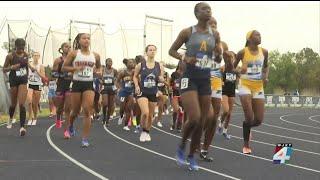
117	154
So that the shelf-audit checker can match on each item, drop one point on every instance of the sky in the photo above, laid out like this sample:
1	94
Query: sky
286	26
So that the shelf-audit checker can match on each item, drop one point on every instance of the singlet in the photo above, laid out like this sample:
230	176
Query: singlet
149	78
175	82
34	78
88	61
23	71
254	64
201	46
229	79
127	81
108	77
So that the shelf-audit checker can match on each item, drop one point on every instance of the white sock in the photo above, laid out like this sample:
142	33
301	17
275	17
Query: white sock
225	130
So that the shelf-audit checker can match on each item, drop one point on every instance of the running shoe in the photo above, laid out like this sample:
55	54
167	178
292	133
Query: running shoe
14	121
29	122
227	136
66	134
246	150
204	156
180	157
34	122
120	120
9	124
22	131
143	136
58	123
72	131
193	166
171	128
159	124
148	137
137	130
84	143
126	128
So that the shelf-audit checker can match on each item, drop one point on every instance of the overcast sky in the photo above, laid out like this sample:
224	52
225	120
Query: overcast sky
286	26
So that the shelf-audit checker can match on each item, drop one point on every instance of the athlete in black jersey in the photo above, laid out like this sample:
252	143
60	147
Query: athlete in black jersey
17	63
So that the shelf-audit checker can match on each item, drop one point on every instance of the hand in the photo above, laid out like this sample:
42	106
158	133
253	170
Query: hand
137	90
217	50
15	67
265	80
97	72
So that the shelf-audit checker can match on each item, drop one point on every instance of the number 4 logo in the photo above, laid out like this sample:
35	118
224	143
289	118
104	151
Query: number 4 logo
184	83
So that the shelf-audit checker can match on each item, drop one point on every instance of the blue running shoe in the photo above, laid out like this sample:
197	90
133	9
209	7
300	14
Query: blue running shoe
219	130
193	166
84	143
72	131
180	157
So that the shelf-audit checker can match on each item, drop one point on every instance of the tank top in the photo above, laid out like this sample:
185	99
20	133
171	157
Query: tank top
34	78
201	46
175	81
254	64
215	70
127	81
108	77
88	61
23	71
229	79
149	78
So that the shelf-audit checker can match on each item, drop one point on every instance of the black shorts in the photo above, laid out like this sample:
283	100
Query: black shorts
35	87
108	91
63	86
228	93
202	86
82	86
18	81
150	97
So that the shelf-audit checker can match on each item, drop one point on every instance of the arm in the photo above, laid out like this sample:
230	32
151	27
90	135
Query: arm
181	39
98	70
7	62
67	65
136	78
265	70
42	73
54	72
239	57
119	77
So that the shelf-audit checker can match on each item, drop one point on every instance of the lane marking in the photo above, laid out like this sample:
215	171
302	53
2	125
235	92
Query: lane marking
281	118
310	118
253	156
70	158
165	156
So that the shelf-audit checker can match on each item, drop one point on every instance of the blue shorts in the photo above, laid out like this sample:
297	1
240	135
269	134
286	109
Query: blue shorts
51	93
123	93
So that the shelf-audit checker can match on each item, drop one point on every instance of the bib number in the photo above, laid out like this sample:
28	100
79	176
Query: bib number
86	72
255	69
21	72
108	81
149	84
184	83
230	77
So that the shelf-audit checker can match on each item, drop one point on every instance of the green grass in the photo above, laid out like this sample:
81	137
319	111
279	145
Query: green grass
4	117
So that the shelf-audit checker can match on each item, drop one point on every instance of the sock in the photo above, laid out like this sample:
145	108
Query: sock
22	115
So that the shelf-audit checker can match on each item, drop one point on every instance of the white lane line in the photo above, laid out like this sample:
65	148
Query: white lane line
310	118
273	145
256	157
165	156
288	129
71	159
287	137
281	118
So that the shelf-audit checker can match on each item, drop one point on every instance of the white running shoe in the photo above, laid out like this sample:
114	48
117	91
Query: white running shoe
22	131
34	122
167	112
29	122
147	137
159	124
9	124
126	128
14	121
120	120
143	136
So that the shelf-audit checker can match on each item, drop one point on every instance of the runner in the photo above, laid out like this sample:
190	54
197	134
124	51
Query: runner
195	83
254	74
17	63
109	90
150	72
52	87
84	64
36	74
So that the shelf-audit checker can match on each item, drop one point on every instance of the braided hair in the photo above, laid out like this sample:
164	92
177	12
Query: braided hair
76	42
62	45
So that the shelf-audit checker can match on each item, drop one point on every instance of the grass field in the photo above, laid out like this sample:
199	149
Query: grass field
4	117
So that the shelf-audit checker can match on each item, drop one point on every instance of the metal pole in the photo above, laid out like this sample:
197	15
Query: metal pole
45	42
70	32
9	40
161	40
163	19
144	33
90	23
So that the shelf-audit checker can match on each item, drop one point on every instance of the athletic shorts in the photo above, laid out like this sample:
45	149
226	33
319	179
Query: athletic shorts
216	87
64	86
253	87
51	93
108	91
82	86
123	93
228	93
35	87
18	81
150	97
202	86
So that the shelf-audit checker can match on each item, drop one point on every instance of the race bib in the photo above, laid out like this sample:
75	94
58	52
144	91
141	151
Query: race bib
203	61
149	83
86	72
230	77
34	78
128	84
184	83
52	85
21	72
254	69
108	81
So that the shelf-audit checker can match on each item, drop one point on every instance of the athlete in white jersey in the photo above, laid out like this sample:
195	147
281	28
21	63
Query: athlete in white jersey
36	74
83	64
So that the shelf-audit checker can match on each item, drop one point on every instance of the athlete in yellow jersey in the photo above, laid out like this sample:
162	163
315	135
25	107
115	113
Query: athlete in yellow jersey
254	74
